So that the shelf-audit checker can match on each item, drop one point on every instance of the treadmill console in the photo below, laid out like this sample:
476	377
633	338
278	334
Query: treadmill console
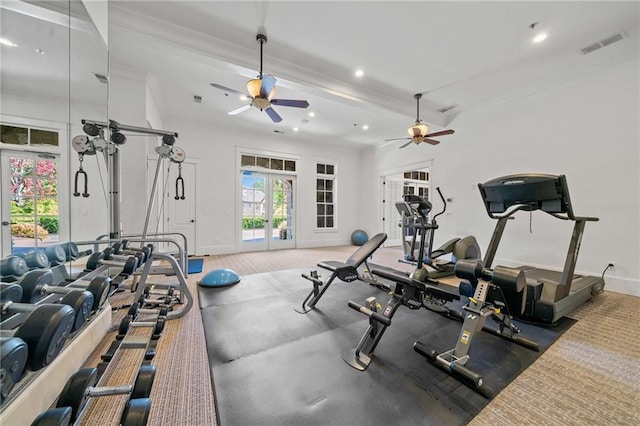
528	192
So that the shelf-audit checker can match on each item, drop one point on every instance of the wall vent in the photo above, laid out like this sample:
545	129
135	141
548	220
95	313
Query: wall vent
197	99
447	108
604	42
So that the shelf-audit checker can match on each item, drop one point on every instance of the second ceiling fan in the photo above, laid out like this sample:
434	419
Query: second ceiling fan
418	132
261	91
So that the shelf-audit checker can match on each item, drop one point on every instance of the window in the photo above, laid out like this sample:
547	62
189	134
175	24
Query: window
14	135
270	163
416	182
325	195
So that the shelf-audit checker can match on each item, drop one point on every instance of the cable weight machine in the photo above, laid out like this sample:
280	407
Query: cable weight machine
95	141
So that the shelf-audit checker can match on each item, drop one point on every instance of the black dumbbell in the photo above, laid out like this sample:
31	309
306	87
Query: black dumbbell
97	259
55	254
13	359
35	259
110	254
123	247
82	385
44	329
12	267
38	284
128	321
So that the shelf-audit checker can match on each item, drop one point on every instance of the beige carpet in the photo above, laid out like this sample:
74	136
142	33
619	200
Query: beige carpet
591	375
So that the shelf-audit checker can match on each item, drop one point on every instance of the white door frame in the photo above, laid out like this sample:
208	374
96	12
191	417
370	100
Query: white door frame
267	243
164	200
63	173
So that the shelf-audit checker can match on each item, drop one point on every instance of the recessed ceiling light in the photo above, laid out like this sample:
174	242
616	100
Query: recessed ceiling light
244	98
40	51
359	73
295	129
6	42
540	37
312	114
365	127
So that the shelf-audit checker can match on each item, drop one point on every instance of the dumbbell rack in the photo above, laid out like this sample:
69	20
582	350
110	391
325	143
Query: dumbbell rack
37	390
121	371
120	394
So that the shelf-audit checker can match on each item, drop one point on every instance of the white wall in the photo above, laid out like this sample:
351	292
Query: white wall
218	208
587	129
127	106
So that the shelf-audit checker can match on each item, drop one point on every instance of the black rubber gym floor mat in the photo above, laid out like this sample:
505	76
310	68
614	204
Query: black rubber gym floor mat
274	366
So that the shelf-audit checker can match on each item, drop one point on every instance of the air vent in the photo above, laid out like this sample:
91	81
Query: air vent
447	108
197	99
278	131
102	78
604	42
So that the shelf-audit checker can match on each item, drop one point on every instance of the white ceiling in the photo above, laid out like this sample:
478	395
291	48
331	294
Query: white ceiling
472	54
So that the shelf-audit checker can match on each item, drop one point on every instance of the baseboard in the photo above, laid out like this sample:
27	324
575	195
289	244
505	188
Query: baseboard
322	243
613	283
211	250
622	285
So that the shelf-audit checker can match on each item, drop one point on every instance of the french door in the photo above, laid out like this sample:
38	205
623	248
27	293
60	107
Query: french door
30	203
392	221
268	211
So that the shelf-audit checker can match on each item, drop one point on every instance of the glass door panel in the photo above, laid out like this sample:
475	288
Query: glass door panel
268	220
254	208
33	218
282	217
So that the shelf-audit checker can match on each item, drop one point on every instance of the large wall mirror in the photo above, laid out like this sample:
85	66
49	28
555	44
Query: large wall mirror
54	74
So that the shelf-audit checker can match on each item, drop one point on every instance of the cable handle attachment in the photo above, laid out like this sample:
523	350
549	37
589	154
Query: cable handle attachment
81	172
179	184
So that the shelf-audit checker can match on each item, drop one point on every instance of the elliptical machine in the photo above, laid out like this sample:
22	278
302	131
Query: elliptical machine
414	211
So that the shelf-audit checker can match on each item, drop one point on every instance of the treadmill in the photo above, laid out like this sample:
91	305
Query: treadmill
550	294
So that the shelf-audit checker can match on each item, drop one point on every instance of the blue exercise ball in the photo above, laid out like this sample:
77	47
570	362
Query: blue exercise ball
219	278
359	237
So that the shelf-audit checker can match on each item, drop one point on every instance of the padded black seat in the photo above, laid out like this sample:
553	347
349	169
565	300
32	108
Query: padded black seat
346	271
427	288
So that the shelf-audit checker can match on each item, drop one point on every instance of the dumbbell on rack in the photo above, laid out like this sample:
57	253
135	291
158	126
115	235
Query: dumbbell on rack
36	259
122	247
81	388
128	264
38	284
12	268
13	359
44	328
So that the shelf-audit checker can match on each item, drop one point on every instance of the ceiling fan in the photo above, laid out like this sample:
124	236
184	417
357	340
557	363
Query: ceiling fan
261	91
418	132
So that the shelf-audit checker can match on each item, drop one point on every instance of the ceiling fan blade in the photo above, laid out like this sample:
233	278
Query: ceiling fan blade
226	89
431	141
397	139
239	110
406	144
290	103
441	133
268	82
273	115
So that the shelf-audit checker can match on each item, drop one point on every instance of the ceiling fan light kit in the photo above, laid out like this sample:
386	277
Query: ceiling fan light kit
419	132
261	90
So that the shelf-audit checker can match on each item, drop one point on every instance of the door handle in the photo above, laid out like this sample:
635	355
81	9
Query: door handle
5	223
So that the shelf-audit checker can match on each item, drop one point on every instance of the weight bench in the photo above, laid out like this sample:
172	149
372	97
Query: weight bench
346	271
409	292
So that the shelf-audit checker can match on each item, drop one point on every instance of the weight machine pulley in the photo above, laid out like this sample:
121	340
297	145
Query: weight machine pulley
94	141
